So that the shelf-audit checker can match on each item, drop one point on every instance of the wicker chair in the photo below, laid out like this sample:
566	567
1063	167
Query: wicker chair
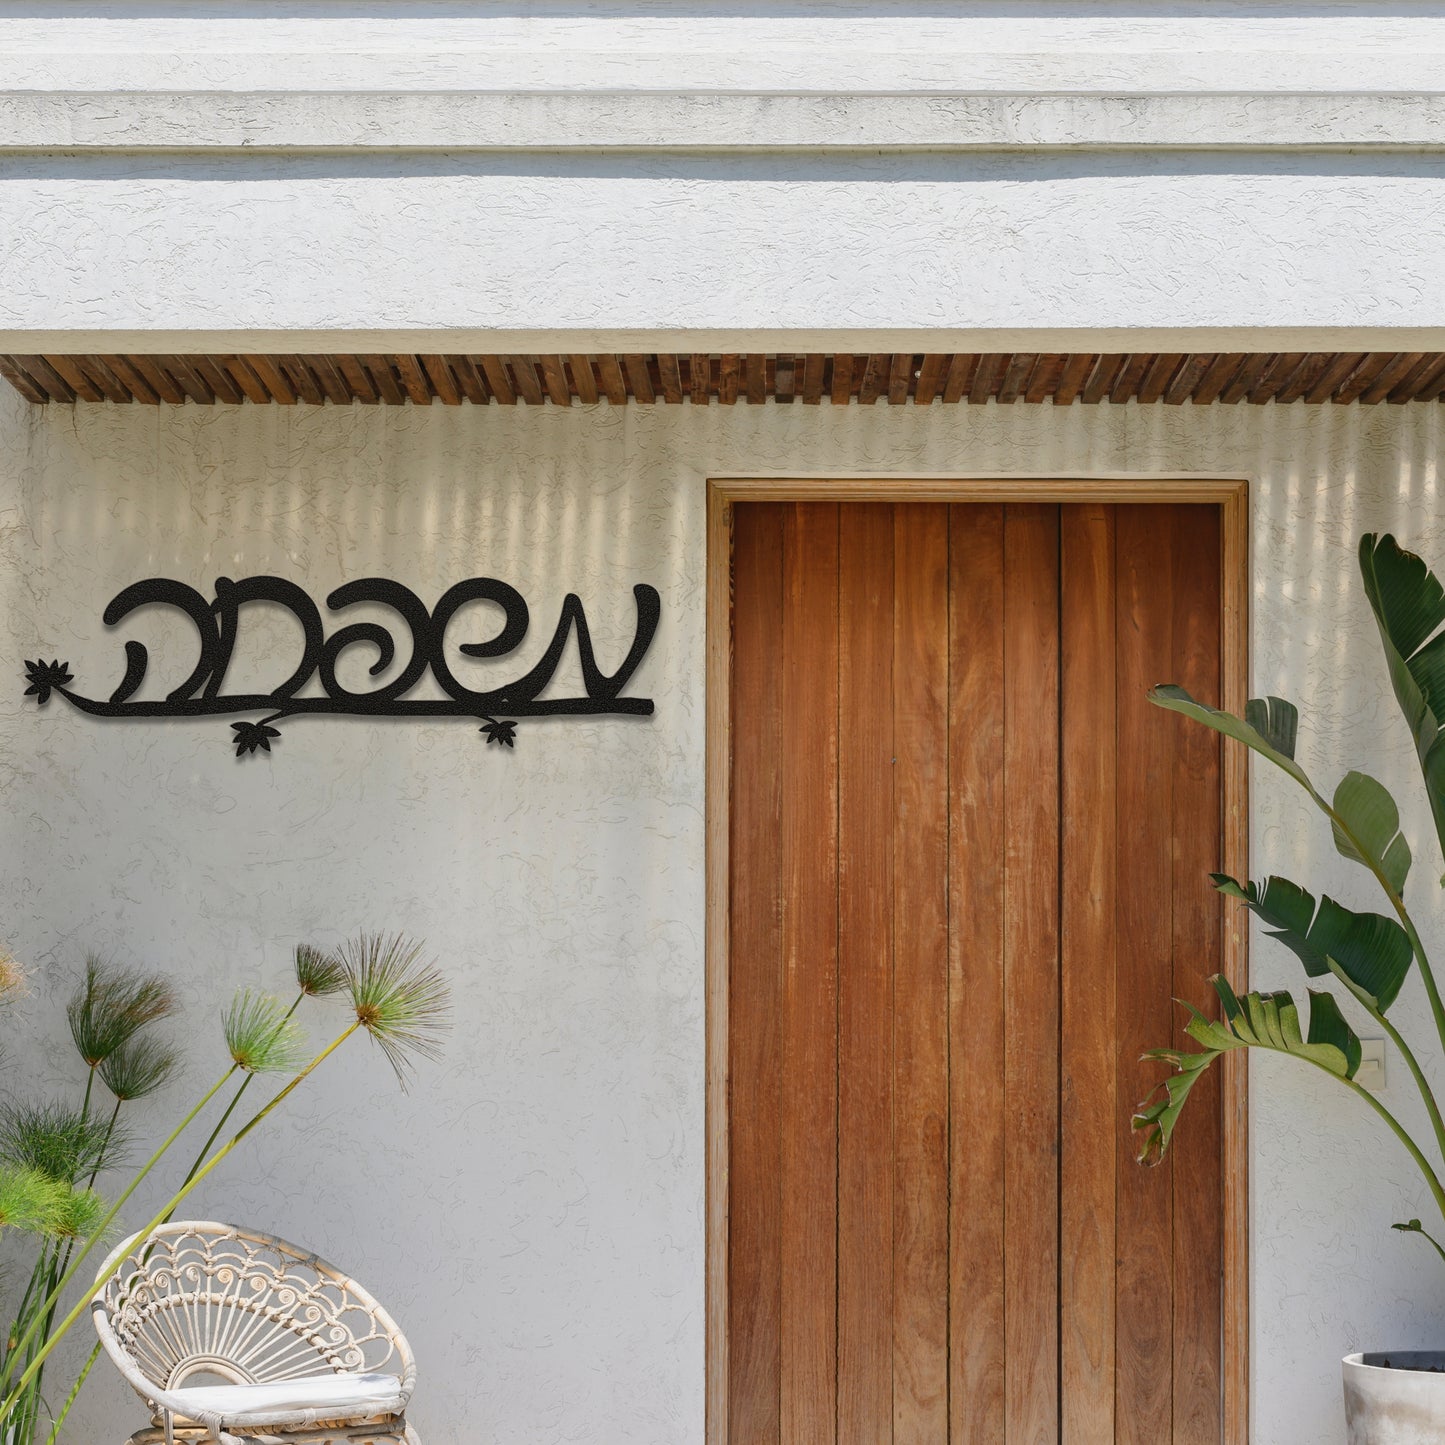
238	1337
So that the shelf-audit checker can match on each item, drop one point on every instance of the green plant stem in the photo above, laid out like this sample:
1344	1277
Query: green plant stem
36	1275
1416	1072
64	1327
1427	1171
75	1391
235	1099
1421	1162
28	1411
45	1263
90	1184
1425	1232
1427	973
220	1124
104	1145
60	1262
95	1238
23	1426
206	1149
1397	902
190	1174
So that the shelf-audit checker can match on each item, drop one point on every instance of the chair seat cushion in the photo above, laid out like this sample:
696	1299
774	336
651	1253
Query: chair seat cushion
345	1394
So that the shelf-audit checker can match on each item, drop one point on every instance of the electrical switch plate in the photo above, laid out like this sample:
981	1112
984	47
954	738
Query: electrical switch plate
1371	1073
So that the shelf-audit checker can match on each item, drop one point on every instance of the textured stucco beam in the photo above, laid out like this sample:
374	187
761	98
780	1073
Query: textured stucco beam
289	120
761	45
962	251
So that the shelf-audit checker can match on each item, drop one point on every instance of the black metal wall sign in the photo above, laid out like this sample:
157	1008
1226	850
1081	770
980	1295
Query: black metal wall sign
218	621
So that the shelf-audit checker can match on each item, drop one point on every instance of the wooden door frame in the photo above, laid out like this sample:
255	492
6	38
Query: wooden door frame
1232	497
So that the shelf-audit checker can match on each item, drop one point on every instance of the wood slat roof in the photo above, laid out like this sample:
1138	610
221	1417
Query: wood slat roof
919	377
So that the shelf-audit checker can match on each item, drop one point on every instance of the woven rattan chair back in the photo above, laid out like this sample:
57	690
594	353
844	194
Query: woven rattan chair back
201	1303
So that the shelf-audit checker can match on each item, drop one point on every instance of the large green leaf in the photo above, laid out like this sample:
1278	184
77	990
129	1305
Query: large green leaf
1275	720
1408	601
1258	1020
1370	952
1268	726
1367	810
1155	1118
1271	1021
1328	1030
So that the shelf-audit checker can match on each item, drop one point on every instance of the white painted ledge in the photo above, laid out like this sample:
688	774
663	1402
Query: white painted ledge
976	251
959	46
208	75
790	174
432	120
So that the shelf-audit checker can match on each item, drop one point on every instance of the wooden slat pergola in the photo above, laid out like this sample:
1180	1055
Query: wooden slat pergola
920	378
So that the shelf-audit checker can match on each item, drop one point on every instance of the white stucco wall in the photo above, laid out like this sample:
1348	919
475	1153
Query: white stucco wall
305	177
904	252
900	46
635	176
532	1210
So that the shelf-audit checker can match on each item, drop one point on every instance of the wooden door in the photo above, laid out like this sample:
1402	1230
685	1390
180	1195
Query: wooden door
967	877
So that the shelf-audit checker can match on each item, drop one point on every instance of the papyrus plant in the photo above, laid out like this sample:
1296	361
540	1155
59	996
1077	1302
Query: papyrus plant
1367	956
393	995
53	1151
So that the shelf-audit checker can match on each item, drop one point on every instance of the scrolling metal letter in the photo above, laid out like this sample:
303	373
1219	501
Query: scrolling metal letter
218	624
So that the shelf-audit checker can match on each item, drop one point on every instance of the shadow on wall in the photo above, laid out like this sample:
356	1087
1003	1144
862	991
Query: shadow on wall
555	1159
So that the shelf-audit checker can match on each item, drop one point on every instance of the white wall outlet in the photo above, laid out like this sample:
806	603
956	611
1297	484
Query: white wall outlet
1371	1073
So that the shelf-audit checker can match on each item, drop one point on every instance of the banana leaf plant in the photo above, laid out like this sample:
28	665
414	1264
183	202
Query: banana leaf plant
1366	956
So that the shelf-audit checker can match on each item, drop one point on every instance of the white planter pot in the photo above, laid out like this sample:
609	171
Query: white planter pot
1400	1406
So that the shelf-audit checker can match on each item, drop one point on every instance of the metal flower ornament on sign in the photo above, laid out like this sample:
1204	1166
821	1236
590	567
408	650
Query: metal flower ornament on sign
217	621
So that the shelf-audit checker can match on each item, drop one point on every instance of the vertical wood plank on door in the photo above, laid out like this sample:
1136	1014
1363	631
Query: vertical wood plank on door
920	993
865	975
966	879
1197	949
755	978
1031	977
809	665
976	1010
1145	592
1088	1101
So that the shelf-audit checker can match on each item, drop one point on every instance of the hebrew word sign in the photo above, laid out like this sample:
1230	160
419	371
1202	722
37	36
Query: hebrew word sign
217	622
